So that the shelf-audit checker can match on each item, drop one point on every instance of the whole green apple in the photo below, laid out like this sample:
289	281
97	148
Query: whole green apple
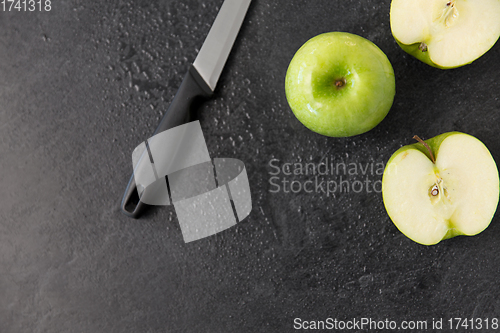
441	188
443	33
339	84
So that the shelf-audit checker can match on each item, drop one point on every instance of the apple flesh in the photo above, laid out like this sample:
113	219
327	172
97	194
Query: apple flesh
456	194
444	33
339	84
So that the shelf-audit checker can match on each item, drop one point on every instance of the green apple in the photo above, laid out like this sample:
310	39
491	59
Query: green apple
339	84
441	188
444	33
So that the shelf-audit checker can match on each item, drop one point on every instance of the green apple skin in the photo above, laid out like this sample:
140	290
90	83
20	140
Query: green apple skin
434	144
414	51
363	100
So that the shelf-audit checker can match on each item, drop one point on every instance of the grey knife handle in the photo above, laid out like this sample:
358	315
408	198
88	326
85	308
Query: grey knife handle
180	112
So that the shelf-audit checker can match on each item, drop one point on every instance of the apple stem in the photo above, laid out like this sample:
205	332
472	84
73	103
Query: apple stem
339	83
426	146
422	47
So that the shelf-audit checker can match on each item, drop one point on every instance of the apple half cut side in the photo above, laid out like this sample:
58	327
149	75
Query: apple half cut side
441	188
444	33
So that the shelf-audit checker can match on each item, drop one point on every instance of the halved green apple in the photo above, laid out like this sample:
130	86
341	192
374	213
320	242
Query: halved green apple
445	33
441	188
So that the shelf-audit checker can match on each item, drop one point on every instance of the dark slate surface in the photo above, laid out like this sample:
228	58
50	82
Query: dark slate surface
82	85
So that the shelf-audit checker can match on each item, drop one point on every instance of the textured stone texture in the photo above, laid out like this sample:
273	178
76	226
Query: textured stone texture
83	85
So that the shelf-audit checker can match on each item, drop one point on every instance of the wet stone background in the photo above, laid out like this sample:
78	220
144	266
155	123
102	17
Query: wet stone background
83	84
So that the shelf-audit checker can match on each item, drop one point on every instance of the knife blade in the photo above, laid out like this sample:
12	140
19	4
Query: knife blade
200	81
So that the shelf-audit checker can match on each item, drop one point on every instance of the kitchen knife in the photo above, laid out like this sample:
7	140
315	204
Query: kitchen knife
200	81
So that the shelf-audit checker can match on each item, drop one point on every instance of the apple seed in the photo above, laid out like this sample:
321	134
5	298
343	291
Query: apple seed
434	190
